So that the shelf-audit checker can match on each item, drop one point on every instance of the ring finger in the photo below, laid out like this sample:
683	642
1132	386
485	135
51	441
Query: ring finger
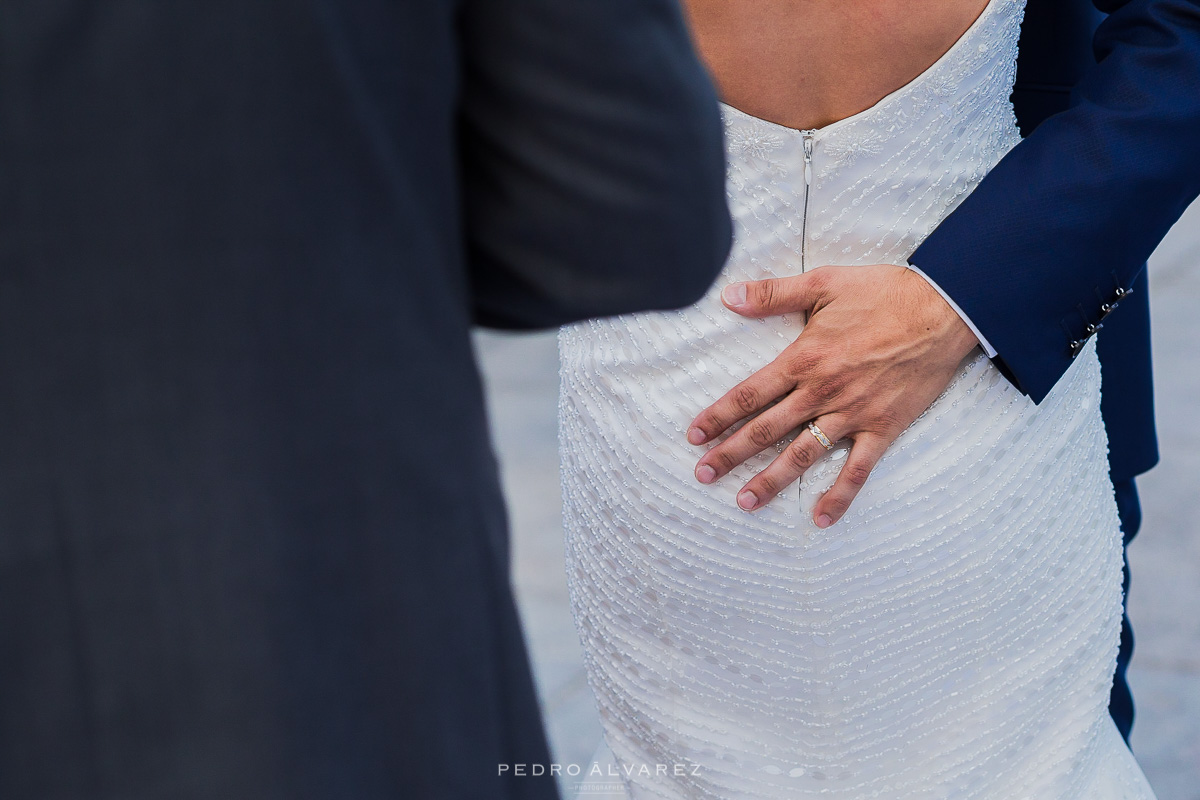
755	436
789	465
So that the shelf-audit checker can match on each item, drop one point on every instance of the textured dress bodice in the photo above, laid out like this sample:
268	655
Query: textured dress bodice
955	634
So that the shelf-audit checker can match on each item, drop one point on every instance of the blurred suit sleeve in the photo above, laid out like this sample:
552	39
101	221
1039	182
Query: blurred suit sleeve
1064	223
593	163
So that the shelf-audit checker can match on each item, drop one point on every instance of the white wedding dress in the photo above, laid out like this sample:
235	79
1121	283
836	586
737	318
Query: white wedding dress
954	636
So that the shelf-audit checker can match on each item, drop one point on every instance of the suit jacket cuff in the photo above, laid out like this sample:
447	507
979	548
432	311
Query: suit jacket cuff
983	342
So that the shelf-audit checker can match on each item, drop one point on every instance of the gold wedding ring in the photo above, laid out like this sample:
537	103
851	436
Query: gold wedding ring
820	436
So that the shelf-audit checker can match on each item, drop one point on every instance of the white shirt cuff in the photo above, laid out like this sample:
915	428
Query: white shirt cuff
983	342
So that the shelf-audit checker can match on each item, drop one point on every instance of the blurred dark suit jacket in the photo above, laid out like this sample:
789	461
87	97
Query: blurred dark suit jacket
251	538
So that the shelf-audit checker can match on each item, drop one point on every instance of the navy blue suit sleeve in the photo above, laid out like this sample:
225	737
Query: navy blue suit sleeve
1066	220
593	163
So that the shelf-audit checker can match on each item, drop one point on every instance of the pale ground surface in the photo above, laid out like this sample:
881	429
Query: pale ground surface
1164	599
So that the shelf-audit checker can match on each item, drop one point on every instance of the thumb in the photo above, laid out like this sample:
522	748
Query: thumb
773	296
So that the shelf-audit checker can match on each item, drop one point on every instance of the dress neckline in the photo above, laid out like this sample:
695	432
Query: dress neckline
887	99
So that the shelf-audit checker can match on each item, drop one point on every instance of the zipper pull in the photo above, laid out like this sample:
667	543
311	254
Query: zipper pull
808	151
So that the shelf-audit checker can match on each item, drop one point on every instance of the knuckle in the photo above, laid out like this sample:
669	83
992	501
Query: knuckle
769	485
712	421
761	433
798	457
819	279
801	363
745	398
722	459
857	474
764	294
890	420
837	504
827	387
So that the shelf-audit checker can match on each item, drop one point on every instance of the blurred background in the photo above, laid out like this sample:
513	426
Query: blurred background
521	373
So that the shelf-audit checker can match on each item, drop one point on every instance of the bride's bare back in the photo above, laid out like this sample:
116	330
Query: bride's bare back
807	63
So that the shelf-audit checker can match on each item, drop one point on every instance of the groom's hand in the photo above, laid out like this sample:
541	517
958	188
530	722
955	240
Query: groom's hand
880	346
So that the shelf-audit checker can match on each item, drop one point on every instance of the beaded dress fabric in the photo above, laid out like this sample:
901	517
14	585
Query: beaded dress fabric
955	634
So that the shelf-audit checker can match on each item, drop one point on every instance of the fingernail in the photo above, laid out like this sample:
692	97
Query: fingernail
696	436
747	500
734	294
824	521
705	473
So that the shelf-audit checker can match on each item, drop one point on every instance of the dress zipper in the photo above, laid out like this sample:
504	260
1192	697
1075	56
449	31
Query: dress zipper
808	151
